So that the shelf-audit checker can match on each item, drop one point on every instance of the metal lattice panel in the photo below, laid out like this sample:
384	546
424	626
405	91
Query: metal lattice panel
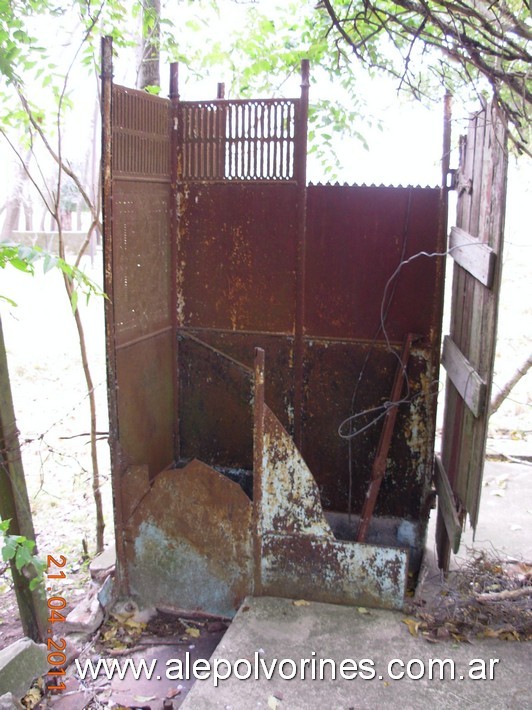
140	134
238	140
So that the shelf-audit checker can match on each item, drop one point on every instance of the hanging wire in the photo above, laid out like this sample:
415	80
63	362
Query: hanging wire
386	302
385	307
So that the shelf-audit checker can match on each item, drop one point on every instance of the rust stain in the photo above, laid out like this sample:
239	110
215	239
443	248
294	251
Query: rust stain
333	571
290	497
192	534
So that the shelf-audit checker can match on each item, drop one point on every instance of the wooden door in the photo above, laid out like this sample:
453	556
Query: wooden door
475	244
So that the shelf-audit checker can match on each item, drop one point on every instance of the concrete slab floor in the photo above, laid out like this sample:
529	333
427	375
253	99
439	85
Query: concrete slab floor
278	629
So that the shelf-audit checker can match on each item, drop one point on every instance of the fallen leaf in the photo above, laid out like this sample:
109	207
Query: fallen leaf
134	625
413	626
32	697
273	702
362	610
194	633
173	692
300	602
111	634
144	698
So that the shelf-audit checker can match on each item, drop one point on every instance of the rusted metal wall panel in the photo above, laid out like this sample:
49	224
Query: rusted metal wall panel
145	402
139	282
279	351
331	372
334	572
237	257
215	394
237	261
356	238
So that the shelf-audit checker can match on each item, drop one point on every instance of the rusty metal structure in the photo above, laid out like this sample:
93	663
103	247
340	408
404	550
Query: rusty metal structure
255	328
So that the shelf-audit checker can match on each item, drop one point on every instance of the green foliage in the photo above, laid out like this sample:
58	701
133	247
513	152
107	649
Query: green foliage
15	38
24	258
19	550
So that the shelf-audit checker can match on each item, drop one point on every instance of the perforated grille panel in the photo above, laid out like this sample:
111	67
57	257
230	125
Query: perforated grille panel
238	140
140	134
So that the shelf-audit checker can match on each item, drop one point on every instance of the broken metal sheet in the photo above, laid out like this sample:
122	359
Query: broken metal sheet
329	570
189	542
297	554
290	497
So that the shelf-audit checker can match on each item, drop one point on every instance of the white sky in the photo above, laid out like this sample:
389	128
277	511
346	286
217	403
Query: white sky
406	151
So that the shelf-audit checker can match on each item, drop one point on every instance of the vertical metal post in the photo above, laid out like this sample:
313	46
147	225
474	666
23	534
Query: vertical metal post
219	162
258	470
379	464
300	170
174	80
175	173
117	465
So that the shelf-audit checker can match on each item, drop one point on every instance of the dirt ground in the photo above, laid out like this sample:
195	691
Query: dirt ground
53	412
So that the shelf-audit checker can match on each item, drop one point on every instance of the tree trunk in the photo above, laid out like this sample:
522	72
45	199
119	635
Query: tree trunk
14	201
28	215
15	505
148	74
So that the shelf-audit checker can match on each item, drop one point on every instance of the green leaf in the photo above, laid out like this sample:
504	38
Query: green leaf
23	557
74	301
9	549
49	262
4	525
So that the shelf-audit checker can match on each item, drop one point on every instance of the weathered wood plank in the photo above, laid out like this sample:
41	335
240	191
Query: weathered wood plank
464	377
447	505
491	232
477	258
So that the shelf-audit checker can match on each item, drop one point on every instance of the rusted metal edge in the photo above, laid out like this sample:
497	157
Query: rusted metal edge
300	173
117	465
183	334
334	571
119	176
258	464
138	92
243	102
192	330
174	231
